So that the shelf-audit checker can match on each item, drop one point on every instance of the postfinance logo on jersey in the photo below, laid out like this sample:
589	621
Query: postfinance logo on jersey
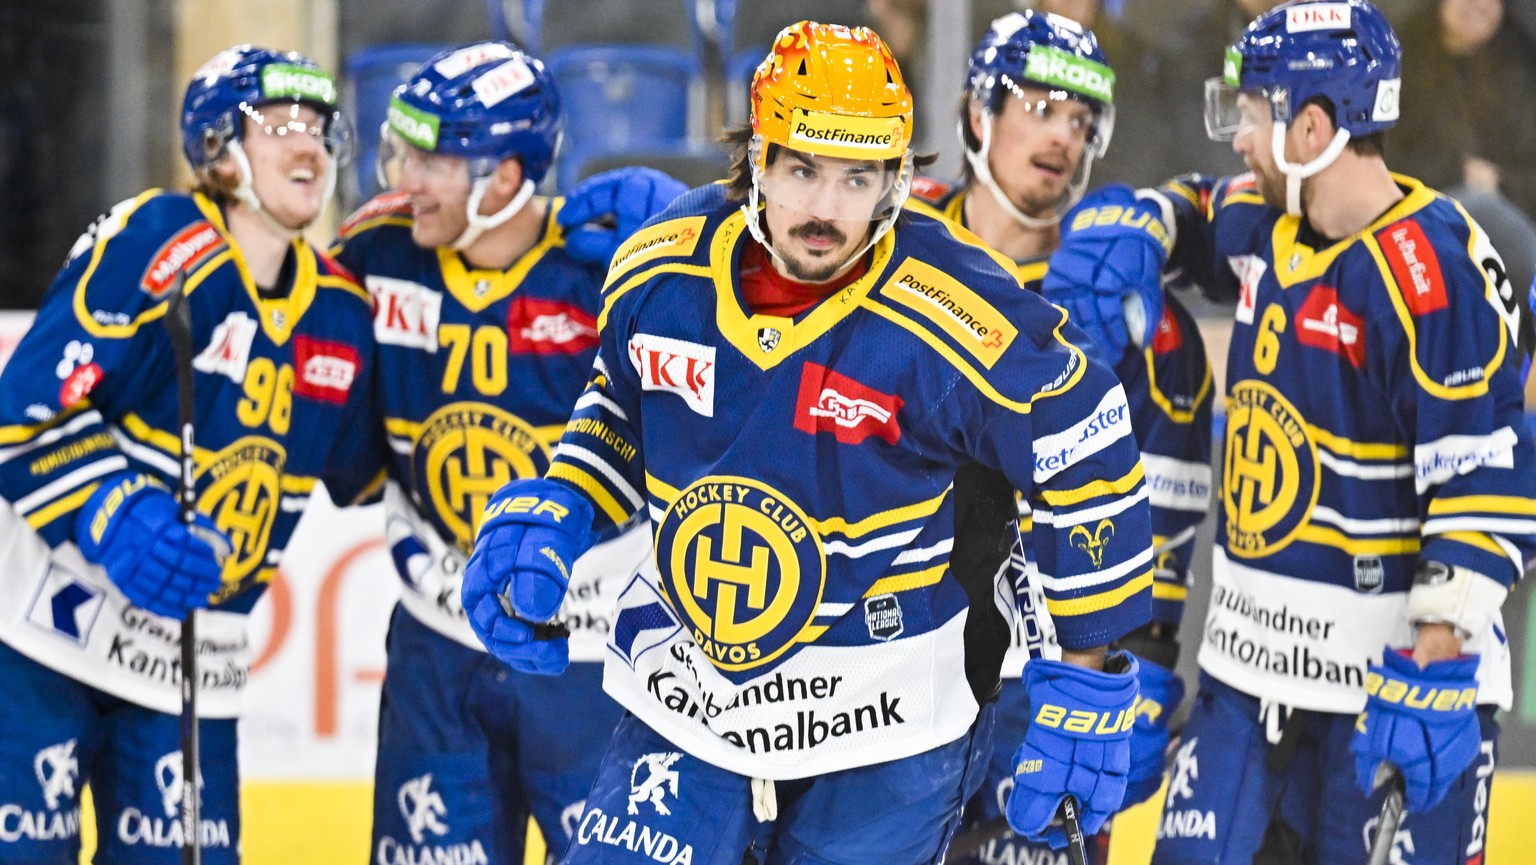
956	309
464	453
1270	476
743	565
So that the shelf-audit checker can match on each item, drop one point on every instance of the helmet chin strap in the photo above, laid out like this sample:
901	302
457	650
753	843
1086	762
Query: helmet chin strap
478	224
981	168
1295	174
246	195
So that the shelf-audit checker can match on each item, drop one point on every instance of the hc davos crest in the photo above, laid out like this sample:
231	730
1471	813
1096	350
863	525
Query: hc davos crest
768	339
421	807
651	779
1270	472
1095	543
743	567
463	454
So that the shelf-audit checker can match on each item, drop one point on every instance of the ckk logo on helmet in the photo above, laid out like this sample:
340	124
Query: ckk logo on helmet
300	82
1056	67
506	80
676	366
467	58
57	768
326	369
651	779
743	567
1270	471
1327	324
185	251
229	348
1093	543
417	127
1414	265
421	807
1317	16
831	402
405	313
549	327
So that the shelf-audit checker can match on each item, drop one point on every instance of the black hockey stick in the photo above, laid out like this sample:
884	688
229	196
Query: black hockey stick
178	323
970	842
1391	814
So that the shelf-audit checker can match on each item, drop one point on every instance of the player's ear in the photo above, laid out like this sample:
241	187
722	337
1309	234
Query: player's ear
508	178
1316	127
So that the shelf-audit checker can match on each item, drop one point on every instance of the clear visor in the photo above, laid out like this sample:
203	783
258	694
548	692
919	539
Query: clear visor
1088	120
397	156
284	120
830	188
1230	112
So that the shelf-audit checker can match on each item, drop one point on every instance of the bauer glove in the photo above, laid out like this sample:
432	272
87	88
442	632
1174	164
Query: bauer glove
1423	721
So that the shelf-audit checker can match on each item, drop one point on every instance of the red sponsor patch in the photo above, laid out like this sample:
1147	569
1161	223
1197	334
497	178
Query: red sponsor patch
1323	322
1169	336
325	370
79	384
1415	266
549	327
834	403
184	252
379	205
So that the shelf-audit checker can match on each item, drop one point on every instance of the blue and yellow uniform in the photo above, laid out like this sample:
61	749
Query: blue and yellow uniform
283	403
478	371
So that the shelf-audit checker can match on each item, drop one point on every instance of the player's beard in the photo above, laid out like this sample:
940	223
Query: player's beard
820	269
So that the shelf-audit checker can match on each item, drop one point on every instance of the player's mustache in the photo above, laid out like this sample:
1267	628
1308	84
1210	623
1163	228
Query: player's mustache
818	229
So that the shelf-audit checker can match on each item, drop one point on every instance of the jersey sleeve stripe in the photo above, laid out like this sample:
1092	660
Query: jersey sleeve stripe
1094	489
1337	540
595	397
1446	525
881	520
1490	504
907	582
1108	510
66	505
593	488
1096	603
1078	582
26	438
587	456
1162	590
1344	447
52	490
1482	541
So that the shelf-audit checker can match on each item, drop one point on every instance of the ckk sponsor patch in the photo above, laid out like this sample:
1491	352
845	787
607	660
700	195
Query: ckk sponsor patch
186	250
465	59
671	238
956	309
1323	322
831	402
1414	265
405	313
325	369
229	348
1317	16
549	327
505	80
676	366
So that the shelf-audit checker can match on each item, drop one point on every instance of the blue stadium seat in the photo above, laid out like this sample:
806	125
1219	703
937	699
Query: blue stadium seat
621	97
371	75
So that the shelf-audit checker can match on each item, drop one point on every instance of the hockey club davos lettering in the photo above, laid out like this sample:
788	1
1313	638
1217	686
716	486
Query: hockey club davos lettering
239	490
743	568
57	768
508	79
1169	336
189	248
831	402
1323	322
229	348
673	237
549	327
161	827
325	369
464	453
405	313
958	311
1414	265
1317	16
1248	269
845	137
424	813
1270	472
676	366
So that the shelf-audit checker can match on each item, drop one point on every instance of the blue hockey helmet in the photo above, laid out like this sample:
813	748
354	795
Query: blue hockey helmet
1046	51
228	87
485	102
1343	51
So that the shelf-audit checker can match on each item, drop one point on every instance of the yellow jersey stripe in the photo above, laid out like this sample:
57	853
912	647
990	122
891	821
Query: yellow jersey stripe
1399	546
399	426
1477	540
1162	591
60	506
1094	489
297	484
592	487
1483	504
1357	450
1095	603
907	582
881	520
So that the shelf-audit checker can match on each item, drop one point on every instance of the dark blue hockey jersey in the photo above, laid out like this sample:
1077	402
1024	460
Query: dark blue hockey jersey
282	403
818	599
478	371
1374	419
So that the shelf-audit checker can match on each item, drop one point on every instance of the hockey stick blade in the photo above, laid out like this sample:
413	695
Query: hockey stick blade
1391	814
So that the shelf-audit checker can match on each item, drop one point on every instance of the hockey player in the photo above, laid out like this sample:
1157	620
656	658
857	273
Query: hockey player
792	373
1038	110
1379	482
96	569
486	304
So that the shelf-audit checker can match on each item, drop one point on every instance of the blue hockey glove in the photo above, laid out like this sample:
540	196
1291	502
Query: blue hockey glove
1424	721
605	209
1161	692
132	527
531	535
1078	743
1109	269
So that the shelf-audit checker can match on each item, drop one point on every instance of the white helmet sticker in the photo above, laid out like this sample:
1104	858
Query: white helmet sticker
465	59
501	82
1387	95
1317	16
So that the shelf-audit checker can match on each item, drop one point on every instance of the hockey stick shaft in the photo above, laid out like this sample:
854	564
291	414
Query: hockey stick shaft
178	324
1391	815
971	842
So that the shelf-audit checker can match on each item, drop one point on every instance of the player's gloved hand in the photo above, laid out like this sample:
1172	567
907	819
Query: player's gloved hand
132	527
1108	272
1424	721
1078	743
533	532
1161	692
605	209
